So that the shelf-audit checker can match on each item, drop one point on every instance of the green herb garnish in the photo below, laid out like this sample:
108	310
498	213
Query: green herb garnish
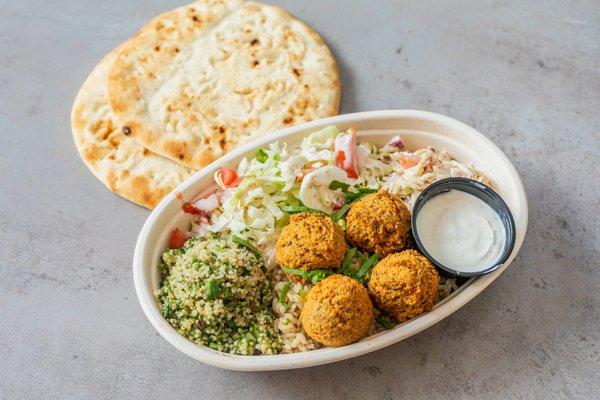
313	276
294	209
346	267
360	191
366	262
246	244
299	208
211	286
339	214
352	194
365	268
339	185
283	294
318	275
386	322
293	271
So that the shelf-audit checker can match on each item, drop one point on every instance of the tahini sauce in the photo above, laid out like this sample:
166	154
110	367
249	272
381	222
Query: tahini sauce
461	231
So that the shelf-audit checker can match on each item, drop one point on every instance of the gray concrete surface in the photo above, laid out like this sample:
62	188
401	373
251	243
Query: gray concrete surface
525	73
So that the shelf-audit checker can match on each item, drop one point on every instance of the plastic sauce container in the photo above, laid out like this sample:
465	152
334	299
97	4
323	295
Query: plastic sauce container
463	227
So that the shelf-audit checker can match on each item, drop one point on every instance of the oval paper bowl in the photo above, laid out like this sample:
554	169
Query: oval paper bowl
418	129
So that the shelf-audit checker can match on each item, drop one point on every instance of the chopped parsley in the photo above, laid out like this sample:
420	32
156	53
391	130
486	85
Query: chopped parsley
313	276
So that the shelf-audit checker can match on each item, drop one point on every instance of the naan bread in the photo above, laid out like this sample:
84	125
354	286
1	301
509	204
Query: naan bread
119	162
198	80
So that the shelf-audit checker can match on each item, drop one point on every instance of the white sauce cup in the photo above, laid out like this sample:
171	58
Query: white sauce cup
482	192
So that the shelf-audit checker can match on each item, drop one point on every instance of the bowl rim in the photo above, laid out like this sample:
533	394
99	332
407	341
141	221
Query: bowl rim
456	183
459	298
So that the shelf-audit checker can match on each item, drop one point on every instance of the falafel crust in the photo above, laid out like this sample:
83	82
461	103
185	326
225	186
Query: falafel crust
337	311
380	223
404	284
311	241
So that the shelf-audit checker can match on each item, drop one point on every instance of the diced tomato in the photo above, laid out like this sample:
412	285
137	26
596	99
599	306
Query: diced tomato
409	161
229	177
177	239
189	208
340	157
345	153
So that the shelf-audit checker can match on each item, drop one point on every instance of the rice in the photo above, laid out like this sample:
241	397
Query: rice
288	314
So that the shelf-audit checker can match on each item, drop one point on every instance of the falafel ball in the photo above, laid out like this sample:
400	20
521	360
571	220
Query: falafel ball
311	241
379	223
404	284
337	311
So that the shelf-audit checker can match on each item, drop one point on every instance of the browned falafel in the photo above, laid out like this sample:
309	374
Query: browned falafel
380	223
337	311
404	284
311	241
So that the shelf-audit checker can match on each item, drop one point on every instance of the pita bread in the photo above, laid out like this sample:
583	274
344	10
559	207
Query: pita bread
198	80
119	162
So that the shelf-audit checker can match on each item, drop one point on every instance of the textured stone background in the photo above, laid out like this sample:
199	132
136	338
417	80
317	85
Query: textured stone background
525	73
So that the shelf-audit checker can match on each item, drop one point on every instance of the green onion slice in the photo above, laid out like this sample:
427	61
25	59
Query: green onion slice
367	265
339	185
339	214
298	209
313	276
283	294
318	275
349	256
293	271
246	244
294	209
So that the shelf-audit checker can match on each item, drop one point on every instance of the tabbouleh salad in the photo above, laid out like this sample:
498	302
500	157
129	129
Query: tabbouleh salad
217	293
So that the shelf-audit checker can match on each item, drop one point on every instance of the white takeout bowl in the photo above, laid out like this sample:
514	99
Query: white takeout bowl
418	129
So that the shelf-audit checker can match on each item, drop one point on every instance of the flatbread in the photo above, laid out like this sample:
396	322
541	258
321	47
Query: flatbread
119	162
198	80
